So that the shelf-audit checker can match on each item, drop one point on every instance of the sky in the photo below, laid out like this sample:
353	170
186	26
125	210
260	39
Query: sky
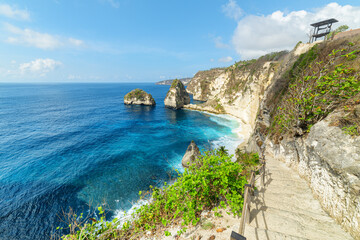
51	41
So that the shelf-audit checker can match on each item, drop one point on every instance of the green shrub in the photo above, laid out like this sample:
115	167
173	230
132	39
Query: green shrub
212	182
351	130
318	84
249	161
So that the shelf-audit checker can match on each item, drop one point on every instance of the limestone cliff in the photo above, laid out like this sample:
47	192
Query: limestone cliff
300	107
239	89
177	95
309	118
139	97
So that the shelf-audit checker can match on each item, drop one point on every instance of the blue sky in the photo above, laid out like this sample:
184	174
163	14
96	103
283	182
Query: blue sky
148	41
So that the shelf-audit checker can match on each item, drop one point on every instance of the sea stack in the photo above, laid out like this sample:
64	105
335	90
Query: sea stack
177	95
191	154
139	97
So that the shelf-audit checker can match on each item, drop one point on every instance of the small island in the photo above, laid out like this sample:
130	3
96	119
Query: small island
177	95
139	97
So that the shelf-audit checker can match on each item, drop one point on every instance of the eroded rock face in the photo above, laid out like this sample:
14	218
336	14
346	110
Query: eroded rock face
329	160
191	154
177	95
139	97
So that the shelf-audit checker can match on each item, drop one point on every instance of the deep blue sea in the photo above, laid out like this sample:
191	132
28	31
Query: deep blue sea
71	145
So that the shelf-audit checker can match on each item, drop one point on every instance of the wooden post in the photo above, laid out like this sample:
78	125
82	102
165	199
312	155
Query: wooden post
244	212
245	216
263	174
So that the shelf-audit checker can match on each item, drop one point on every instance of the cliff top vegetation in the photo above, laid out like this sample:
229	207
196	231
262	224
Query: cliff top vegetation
137	94
321	80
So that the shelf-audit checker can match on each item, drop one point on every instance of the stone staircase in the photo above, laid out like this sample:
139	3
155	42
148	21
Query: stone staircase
286	209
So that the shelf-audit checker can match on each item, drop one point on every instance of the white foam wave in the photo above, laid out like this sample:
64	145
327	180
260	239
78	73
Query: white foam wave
230	143
124	216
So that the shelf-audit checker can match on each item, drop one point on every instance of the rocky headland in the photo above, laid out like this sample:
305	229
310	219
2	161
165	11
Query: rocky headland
185	81
139	97
177	96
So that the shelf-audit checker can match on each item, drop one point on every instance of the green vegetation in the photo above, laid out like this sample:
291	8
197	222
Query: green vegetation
136	93
249	161
207	225
351	130
212	182
219	108
274	56
319	83
175	83
252	69
297	45
342	28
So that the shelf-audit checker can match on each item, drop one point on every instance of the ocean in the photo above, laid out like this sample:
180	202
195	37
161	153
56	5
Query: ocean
78	146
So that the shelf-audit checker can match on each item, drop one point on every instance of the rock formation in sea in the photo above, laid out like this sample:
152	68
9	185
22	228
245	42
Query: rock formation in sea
177	95
191	154
139	97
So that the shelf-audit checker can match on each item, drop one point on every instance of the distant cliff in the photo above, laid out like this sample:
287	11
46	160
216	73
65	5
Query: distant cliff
238	89
303	108
185	81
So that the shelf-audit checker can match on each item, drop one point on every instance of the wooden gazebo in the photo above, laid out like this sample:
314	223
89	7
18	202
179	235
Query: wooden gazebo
321	29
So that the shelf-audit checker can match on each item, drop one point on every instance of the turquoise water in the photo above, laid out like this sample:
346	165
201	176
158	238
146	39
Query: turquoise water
68	145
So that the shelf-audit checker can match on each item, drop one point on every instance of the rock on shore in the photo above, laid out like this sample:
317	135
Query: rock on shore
191	154
177	95
139	97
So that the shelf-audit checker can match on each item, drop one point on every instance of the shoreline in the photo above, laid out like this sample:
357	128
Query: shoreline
124	215
221	115
244	131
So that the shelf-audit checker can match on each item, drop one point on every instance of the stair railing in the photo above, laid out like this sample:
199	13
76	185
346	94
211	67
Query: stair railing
248	192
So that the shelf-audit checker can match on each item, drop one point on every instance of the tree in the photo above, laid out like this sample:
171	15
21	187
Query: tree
332	34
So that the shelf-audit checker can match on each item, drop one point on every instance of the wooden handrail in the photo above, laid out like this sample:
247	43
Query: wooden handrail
245	216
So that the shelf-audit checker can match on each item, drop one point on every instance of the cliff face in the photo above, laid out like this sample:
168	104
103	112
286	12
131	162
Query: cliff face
302	108
177	95
239	89
310	119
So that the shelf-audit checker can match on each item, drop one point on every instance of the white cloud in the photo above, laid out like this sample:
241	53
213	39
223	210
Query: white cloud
32	38
219	43
232	10
45	41
258	35
225	59
39	66
75	42
113	3
11	12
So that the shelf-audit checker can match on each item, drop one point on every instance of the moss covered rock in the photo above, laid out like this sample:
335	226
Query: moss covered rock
139	97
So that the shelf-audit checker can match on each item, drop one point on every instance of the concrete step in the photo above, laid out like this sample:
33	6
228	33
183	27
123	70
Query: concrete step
282	174
252	233
286	209
259	205
276	184
298	225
